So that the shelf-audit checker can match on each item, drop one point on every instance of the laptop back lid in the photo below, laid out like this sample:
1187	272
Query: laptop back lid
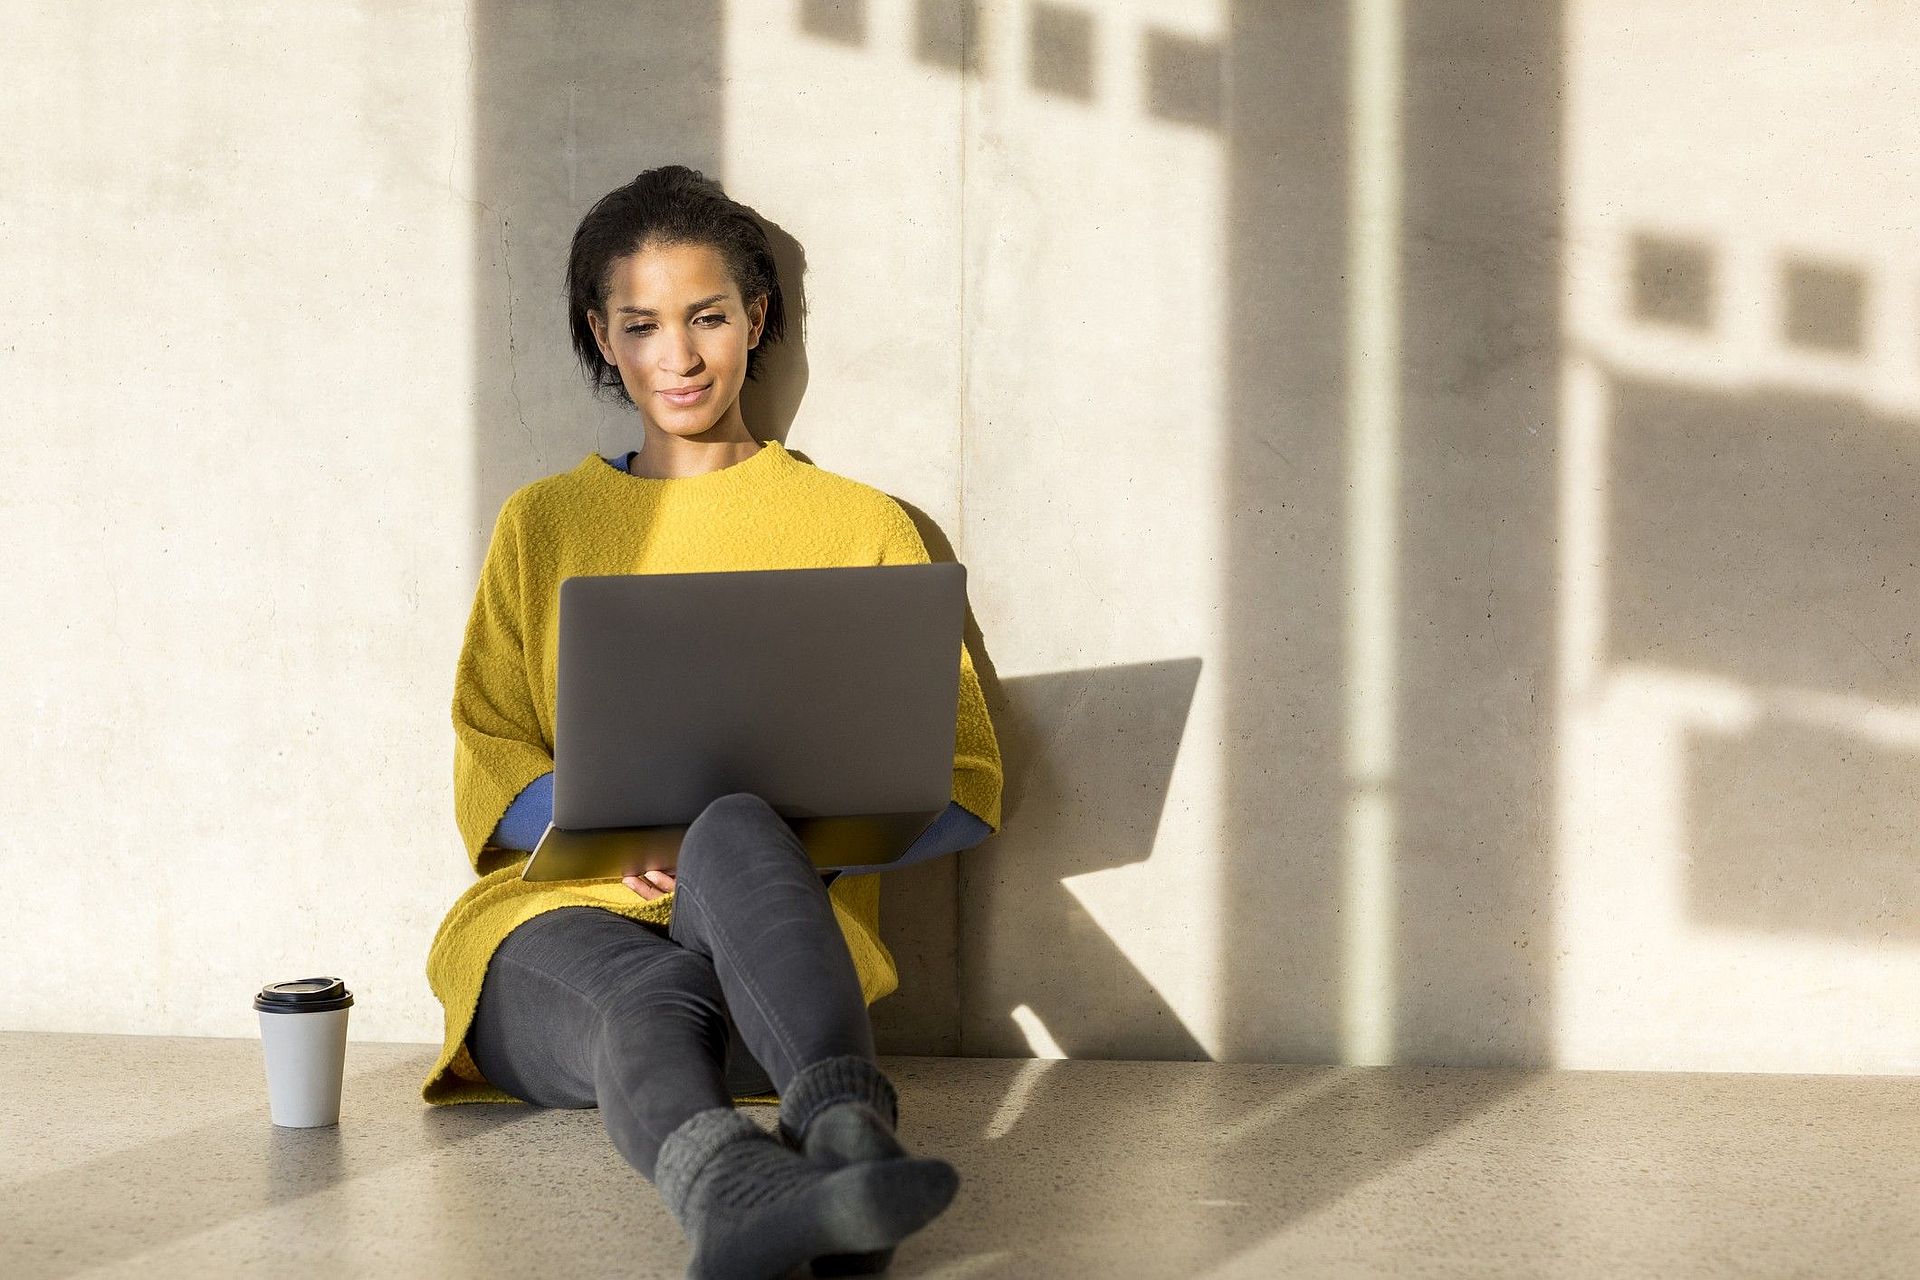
828	692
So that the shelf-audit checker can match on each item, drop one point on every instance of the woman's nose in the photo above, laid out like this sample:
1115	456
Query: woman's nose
679	356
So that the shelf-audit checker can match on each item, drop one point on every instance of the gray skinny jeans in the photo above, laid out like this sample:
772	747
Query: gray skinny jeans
752	981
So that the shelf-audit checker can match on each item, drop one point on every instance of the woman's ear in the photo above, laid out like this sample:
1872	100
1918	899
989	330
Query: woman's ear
599	327
759	314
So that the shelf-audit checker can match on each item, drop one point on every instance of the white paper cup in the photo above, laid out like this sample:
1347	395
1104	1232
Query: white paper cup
303	1036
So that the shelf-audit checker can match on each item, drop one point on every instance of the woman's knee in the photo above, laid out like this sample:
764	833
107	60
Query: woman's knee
738	806
734	826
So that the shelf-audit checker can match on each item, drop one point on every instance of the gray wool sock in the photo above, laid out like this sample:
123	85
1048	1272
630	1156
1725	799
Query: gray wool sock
840	1111
753	1208
831	1084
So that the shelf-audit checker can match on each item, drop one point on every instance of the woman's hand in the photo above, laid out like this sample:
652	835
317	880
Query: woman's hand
651	885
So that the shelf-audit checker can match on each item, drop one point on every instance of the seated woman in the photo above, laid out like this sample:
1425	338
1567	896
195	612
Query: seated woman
665	999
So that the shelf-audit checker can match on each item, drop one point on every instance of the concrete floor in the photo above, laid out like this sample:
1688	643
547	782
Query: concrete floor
154	1156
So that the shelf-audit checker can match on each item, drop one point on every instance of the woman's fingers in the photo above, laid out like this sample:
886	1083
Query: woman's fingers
651	884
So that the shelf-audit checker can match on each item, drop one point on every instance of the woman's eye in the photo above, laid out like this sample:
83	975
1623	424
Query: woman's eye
642	328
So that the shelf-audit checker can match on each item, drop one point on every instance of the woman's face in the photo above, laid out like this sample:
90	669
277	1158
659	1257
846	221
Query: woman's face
674	319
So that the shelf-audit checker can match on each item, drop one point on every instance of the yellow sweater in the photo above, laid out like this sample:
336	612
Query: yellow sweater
771	511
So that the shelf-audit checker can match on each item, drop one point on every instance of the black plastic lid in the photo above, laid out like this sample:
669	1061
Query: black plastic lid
303	995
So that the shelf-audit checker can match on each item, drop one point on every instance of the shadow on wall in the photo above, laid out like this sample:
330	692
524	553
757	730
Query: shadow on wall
1059	819
1390	668
1464	800
1090	757
569	101
1766	540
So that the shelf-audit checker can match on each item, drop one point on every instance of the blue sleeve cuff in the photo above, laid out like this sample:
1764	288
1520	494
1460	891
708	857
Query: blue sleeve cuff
954	830
527	818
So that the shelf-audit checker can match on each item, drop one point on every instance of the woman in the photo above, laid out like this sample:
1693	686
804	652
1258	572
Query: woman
663	999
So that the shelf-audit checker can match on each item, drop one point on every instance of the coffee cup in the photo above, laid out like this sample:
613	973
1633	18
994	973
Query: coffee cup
303	1034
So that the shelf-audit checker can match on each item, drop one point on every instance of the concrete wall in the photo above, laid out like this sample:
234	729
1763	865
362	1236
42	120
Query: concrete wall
1436	483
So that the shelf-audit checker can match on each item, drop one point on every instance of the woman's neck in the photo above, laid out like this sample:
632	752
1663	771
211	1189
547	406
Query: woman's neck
670	457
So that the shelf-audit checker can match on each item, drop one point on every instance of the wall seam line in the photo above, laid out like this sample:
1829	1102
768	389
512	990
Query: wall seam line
967	65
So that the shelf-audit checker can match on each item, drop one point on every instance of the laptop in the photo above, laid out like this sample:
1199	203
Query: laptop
830	693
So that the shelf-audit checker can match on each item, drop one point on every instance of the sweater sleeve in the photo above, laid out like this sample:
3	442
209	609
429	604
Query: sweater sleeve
498	744
976	752
528	817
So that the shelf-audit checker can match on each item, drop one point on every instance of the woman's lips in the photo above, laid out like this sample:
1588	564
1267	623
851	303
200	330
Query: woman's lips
687	398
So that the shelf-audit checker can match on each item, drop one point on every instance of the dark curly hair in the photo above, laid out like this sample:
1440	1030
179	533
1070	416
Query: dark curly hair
668	205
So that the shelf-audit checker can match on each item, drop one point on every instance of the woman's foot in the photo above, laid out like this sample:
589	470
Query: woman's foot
753	1208
843	1111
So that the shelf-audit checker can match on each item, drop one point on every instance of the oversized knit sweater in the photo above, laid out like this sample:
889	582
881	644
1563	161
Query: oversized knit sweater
770	511
531	812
